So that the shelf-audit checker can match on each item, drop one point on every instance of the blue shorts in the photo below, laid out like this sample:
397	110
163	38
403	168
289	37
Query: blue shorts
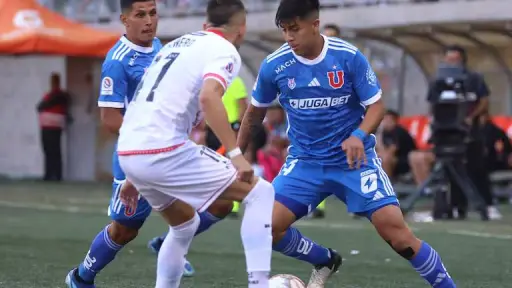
302	185
124	215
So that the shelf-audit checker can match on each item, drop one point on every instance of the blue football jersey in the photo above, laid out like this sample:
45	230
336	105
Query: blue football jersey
121	73
325	98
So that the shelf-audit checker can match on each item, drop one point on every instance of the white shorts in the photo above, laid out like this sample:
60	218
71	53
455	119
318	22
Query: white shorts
192	173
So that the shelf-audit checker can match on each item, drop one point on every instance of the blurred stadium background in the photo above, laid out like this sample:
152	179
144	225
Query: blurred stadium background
46	227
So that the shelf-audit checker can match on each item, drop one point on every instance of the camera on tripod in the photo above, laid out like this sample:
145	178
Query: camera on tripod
450	132
449	94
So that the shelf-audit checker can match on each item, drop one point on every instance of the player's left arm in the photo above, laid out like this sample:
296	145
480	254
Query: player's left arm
114	87
367	88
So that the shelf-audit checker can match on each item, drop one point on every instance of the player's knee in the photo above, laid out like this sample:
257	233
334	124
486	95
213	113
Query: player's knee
187	229
221	208
261	190
121	234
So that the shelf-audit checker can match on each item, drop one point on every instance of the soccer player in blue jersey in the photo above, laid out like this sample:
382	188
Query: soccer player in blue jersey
122	71
333	101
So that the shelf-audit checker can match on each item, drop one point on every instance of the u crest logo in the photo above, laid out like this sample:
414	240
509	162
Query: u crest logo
336	79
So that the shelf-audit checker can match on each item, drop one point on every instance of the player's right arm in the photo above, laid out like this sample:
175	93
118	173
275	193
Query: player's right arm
264	93
114	86
218	75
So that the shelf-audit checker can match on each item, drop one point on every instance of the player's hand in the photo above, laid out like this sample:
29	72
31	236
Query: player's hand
129	195
354	149
245	171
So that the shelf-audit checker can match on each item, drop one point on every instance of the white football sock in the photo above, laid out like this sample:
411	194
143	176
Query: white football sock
257	233
171	257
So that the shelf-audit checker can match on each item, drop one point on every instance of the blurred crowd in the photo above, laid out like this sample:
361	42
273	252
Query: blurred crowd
107	10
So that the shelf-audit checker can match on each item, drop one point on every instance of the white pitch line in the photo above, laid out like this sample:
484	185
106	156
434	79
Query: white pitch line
480	234
309	224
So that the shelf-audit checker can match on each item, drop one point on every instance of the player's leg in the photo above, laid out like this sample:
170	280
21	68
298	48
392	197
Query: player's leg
110	240
183	223
299	187
198	176
215	213
369	192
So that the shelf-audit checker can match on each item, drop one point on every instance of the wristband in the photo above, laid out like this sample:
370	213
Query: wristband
233	153
359	134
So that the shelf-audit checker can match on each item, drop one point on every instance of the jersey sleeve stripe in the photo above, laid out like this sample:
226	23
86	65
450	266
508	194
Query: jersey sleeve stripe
109	104
118	51
217	77
341	42
342	49
284	52
341	46
373	99
255	102
124	53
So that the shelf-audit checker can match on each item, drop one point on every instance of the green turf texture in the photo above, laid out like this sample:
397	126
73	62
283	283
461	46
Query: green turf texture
46	229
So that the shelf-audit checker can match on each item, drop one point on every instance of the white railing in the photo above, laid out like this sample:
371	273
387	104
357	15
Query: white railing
108	10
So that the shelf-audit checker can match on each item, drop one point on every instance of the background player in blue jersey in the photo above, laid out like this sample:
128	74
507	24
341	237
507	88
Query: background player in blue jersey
122	71
333	101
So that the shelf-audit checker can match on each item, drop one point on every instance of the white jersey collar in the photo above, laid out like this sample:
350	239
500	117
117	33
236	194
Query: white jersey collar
317	59
135	47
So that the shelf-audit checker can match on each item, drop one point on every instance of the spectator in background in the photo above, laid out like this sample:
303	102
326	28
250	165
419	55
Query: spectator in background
497	145
258	142
332	30
421	163
394	145
53	112
277	126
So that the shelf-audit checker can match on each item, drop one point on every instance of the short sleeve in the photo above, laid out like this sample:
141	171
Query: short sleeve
223	68
366	84
265	90
114	85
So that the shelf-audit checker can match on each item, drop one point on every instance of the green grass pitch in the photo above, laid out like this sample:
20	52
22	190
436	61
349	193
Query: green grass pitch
46	229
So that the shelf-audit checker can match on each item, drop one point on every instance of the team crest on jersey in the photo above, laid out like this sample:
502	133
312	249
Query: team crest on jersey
371	77
107	86
336	80
291	83
230	67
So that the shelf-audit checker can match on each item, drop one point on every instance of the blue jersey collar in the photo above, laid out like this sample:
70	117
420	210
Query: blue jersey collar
135	47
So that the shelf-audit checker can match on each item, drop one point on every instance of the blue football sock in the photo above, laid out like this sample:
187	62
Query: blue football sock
103	250
428	263
295	245
207	220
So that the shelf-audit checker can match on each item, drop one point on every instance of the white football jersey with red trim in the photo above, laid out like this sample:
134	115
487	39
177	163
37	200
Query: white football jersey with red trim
165	106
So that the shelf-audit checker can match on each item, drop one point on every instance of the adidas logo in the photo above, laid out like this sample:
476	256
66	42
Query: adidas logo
377	196
314	83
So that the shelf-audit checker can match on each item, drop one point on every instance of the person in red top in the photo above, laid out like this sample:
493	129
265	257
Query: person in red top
53	115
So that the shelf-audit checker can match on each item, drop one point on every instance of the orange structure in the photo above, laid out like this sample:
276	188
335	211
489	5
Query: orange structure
26	27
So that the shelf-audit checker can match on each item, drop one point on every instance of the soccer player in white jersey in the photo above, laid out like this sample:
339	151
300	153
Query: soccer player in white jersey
177	177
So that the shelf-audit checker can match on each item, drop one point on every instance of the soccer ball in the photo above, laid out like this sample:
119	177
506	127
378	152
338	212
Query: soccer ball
286	281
